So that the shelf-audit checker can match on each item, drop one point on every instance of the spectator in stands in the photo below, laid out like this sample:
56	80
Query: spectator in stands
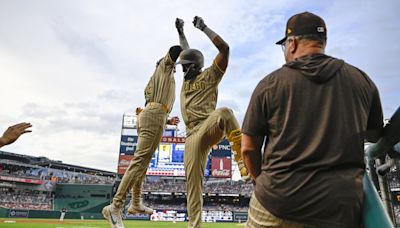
25	199
13	132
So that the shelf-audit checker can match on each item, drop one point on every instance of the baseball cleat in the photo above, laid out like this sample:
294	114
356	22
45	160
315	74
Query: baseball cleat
113	216
139	209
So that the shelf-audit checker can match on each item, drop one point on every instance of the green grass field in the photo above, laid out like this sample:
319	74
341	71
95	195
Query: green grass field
68	223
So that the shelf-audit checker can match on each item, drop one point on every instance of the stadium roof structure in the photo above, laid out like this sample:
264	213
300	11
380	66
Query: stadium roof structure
29	161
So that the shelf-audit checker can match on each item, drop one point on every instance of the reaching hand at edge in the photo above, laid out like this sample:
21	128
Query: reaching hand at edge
14	132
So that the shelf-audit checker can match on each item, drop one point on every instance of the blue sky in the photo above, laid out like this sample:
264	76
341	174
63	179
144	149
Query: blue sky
72	68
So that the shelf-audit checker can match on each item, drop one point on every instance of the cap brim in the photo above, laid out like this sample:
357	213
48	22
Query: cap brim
281	41
184	61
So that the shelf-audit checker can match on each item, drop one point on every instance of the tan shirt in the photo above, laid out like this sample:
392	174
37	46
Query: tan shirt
199	96
161	86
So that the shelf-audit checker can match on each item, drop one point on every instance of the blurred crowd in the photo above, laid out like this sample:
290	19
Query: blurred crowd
220	187
25	200
182	207
229	187
394	180
55	175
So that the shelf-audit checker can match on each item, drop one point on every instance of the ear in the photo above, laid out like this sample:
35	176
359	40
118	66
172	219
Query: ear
293	46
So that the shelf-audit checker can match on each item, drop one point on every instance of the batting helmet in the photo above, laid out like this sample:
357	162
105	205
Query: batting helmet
190	56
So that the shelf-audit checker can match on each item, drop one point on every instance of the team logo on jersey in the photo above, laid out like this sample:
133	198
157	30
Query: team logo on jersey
194	86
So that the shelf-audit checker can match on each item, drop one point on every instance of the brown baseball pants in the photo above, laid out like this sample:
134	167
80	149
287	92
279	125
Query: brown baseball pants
150	127
220	123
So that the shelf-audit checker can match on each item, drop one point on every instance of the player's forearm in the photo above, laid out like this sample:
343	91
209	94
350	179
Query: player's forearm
217	40
183	41
182	38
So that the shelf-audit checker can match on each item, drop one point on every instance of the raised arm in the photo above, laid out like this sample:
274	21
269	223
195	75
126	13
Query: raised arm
182	38
223	56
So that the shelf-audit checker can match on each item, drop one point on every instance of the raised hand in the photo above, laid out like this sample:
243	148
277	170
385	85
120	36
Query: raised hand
179	25
198	22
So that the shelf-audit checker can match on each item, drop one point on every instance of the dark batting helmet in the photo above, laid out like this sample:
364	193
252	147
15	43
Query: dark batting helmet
191	56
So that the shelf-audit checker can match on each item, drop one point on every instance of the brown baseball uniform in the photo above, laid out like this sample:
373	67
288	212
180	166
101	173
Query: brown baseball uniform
205	127
160	96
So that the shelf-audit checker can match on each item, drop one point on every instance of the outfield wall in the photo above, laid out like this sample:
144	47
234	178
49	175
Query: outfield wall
87	198
21	213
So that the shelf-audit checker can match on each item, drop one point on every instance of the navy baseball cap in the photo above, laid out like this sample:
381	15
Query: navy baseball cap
304	24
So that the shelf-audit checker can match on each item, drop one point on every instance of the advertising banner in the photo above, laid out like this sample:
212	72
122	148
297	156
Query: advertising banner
168	139
128	144
23	180
240	216
123	163
168	215
222	149
137	216
217	216
221	167
14	213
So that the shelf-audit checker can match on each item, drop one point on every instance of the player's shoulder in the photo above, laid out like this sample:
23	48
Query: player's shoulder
214	70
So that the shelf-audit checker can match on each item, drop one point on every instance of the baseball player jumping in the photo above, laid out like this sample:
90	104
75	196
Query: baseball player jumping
205	125
160	96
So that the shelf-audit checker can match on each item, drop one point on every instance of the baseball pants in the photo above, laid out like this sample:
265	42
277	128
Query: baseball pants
197	146
150	127
259	217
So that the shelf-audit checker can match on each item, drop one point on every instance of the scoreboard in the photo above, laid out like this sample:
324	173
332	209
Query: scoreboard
168	159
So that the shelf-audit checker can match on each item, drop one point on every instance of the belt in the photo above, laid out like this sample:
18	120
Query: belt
164	107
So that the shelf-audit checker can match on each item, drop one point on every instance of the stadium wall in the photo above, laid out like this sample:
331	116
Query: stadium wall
20	213
82	197
162	215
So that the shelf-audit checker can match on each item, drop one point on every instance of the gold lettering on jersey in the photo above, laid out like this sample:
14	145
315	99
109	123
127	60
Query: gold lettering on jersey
194	86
